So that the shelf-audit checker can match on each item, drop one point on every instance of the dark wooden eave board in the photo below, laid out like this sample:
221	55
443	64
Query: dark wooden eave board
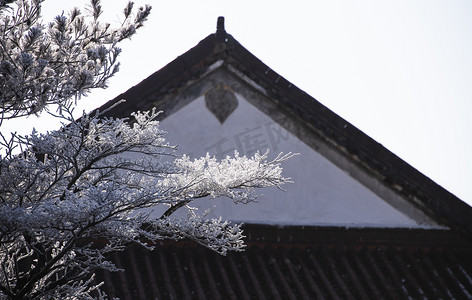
346	236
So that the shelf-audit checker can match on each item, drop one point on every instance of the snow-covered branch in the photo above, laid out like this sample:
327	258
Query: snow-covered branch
54	63
220	236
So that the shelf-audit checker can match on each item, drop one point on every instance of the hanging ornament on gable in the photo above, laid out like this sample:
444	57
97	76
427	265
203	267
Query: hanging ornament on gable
221	102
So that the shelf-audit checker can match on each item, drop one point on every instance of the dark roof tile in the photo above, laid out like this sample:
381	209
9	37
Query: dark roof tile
286	274
294	270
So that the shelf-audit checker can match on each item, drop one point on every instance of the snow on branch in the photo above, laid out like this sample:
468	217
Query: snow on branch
215	234
234	177
55	63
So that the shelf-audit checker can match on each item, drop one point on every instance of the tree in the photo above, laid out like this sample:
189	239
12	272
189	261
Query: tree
95	177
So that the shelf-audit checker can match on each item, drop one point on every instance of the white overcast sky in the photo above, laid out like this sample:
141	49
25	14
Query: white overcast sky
400	71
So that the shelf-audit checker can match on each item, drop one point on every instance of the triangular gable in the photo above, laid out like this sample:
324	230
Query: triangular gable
350	150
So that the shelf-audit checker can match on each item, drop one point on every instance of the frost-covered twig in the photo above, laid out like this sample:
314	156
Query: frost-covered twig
55	63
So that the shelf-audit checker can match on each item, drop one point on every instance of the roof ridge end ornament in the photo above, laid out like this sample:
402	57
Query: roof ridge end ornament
220	29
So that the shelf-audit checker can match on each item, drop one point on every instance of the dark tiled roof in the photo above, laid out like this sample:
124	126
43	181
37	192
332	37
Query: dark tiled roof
333	263
378	161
